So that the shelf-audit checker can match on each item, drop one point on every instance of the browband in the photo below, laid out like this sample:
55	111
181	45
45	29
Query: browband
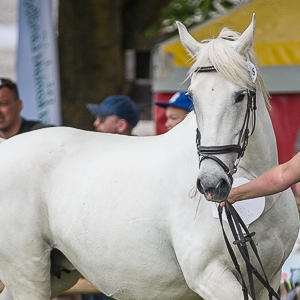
205	69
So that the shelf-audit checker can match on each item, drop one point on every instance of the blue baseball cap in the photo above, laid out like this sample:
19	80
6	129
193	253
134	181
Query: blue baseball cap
180	99
122	106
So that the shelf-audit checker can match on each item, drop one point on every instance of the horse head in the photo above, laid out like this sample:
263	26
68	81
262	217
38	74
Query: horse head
224	81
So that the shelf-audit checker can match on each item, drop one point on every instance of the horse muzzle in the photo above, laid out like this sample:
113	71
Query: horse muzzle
214	192
214	182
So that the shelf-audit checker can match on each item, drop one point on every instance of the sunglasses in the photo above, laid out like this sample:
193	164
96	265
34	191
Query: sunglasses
101	119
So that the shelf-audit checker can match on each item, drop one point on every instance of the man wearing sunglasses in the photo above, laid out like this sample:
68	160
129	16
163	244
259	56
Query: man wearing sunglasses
115	114
11	122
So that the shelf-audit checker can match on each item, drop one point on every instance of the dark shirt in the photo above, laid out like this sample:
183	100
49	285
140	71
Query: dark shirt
29	125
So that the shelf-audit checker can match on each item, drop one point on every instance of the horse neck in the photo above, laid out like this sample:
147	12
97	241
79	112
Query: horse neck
261	152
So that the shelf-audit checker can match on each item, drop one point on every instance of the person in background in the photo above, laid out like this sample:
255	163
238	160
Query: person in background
11	122
115	114
177	108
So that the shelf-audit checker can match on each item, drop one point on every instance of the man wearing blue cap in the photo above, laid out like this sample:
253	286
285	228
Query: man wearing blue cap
177	108
115	114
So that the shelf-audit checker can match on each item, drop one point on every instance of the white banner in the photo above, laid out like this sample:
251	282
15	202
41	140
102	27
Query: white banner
37	62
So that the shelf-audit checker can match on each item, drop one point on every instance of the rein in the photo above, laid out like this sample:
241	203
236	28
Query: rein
240	232
241	239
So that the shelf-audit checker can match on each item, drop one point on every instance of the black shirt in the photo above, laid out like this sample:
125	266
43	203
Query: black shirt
29	125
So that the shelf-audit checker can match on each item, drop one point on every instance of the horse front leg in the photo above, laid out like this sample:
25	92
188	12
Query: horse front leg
274	283
216	282
26	274
5	295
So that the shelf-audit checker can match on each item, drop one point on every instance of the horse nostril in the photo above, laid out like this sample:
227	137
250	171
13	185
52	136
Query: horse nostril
216	192
223	187
199	186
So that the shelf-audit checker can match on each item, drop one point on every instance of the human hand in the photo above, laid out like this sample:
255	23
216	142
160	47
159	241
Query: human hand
222	204
230	199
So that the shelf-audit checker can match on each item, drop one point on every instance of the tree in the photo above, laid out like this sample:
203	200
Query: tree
93	35
190	12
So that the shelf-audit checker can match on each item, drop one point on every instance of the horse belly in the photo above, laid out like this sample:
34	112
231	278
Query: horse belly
117	234
131	260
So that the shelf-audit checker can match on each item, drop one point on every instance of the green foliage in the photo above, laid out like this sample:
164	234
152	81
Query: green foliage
189	12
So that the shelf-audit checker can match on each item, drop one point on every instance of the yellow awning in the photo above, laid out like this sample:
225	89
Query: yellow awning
277	34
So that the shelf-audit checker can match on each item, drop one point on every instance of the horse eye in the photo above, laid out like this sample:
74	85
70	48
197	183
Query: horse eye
240	98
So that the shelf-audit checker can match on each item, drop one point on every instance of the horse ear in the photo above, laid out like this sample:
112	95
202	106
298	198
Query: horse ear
246	41
190	44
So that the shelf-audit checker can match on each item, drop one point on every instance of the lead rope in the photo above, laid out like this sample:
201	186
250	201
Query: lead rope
240	239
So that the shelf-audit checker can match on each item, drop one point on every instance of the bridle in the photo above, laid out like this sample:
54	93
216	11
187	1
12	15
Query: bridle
239	230
209	152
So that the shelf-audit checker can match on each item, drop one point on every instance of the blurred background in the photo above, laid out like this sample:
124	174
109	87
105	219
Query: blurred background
8	38
104	48
131	47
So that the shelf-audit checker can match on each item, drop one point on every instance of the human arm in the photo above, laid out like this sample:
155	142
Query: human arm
275	180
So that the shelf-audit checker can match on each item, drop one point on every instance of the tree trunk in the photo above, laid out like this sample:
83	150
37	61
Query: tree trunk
93	35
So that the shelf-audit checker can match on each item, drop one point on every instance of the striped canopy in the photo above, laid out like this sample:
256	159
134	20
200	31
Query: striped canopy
277	35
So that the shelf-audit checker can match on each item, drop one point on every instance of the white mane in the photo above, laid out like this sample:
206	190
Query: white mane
229	63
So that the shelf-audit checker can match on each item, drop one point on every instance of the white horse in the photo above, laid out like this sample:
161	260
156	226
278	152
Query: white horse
117	210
